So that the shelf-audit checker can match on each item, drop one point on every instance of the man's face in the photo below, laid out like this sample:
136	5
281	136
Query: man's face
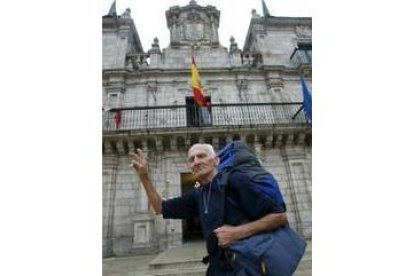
201	163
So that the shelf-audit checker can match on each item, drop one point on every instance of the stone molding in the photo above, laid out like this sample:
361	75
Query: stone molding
122	145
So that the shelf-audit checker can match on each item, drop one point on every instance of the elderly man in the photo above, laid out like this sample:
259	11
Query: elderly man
204	202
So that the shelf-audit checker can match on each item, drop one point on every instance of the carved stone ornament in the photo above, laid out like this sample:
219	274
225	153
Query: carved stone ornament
194	31
304	31
127	13
193	16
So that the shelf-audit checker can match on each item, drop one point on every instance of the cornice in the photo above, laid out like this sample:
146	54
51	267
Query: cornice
279	20
205	71
121	143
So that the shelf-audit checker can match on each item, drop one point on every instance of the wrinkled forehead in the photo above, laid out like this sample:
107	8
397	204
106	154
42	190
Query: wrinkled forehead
200	148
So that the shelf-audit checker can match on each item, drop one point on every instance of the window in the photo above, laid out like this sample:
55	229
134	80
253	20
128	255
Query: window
113	99
197	116
304	51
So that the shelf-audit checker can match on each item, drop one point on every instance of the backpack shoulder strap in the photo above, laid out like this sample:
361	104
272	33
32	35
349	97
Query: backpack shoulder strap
222	186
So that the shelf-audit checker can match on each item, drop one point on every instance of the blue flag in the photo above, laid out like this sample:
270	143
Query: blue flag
307	99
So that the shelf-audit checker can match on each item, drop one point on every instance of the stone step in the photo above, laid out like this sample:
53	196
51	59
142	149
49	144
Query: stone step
181	257
181	264
304	267
307	272
195	271
186	260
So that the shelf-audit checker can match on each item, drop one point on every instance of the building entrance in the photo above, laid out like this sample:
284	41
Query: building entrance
191	227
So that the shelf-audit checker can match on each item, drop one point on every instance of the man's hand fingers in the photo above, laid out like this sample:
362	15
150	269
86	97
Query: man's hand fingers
138	155
133	154
133	164
138	158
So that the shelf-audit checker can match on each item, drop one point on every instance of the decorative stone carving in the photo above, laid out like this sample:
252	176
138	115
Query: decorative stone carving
254	14
152	91
193	17
108	148
127	13
242	84
303	31
194	31
129	64
120	147
193	23
142	233
233	45
155	47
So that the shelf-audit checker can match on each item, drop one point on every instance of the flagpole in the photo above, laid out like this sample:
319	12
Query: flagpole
303	104
297	112
301	107
192	51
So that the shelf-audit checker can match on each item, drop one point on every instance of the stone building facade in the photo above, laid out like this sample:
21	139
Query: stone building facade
147	98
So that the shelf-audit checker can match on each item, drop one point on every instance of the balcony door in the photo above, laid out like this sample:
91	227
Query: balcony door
191	227
197	116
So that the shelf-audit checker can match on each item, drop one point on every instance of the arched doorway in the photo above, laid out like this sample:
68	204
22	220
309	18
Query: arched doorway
191	227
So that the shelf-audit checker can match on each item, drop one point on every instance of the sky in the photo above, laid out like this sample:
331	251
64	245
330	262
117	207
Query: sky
150	20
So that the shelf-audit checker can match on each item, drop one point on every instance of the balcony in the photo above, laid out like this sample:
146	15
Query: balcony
301	57
187	116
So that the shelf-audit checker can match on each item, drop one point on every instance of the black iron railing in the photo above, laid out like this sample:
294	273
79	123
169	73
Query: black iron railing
221	115
301	56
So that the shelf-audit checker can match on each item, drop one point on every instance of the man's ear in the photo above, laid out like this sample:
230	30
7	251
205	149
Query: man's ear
217	159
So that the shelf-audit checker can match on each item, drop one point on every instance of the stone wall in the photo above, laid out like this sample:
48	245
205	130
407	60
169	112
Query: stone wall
171	88
130	227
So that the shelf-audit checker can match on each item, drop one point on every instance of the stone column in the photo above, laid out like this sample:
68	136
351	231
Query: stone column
215	143
214	31
299	193
275	85
131	146
121	148
151	94
155	54
158	144
107	148
109	170
278	140
235	54
174	143
122	46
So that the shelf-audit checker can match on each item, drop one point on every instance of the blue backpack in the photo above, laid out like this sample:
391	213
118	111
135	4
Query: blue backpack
237	156
274	253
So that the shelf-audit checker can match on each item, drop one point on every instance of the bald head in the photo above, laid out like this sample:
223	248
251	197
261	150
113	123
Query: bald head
207	147
203	162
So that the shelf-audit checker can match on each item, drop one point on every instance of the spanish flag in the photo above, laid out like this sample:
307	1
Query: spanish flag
199	96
